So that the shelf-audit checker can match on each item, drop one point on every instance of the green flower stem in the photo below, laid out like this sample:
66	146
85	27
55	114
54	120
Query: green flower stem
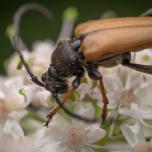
70	15
35	116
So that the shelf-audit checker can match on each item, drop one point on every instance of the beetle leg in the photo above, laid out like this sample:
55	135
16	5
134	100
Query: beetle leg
75	84
57	107
61	105
94	74
79	74
105	100
138	67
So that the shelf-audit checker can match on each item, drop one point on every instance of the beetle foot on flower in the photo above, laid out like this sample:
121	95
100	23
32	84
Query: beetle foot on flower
49	118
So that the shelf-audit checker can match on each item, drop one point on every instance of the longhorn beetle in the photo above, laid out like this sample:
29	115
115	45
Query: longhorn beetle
103	42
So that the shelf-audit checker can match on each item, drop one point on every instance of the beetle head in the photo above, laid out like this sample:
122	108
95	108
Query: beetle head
53	82
64	63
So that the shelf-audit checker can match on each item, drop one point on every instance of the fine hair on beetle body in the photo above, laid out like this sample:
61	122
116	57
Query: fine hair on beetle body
103	42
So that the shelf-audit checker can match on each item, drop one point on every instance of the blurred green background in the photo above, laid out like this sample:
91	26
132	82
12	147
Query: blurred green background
36	27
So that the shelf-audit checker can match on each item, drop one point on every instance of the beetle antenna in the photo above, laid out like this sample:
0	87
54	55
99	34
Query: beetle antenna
16	40
74	115
26	65
22	10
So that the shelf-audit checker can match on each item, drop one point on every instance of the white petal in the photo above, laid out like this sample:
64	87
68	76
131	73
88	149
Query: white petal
41	136
14	83
10	144
43	97
12	127
112	83
145	95
122	73
134	112
95	133
56	128
151	141
84	89
112	104
133	134
144	57
40	46
58	121
18	115
95	94
146	112
87	111
134	80
118	147
86	149
128	135
48	148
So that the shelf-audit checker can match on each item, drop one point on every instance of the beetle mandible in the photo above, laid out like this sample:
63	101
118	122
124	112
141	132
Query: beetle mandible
103	42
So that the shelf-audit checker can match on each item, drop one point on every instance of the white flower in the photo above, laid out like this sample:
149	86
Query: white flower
135	137
129	94
70	136
42	97
12	63
143	57
84	89
39	60
11	101
40	57
122	85
12	138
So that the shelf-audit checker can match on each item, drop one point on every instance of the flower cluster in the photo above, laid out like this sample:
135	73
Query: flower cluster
23	108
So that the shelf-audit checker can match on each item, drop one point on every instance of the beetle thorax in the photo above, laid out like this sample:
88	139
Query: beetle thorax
64	59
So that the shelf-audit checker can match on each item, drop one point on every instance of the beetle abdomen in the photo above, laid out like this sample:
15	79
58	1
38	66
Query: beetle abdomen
109	37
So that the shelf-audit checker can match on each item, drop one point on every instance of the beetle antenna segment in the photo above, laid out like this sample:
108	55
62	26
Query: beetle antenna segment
76	116
17	41
26	65
22	10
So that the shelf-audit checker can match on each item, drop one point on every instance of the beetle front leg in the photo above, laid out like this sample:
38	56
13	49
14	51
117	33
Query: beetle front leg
138	67
75	84
94	74
57	107
79	74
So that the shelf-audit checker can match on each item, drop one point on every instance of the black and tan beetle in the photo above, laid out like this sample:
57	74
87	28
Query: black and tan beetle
103	42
